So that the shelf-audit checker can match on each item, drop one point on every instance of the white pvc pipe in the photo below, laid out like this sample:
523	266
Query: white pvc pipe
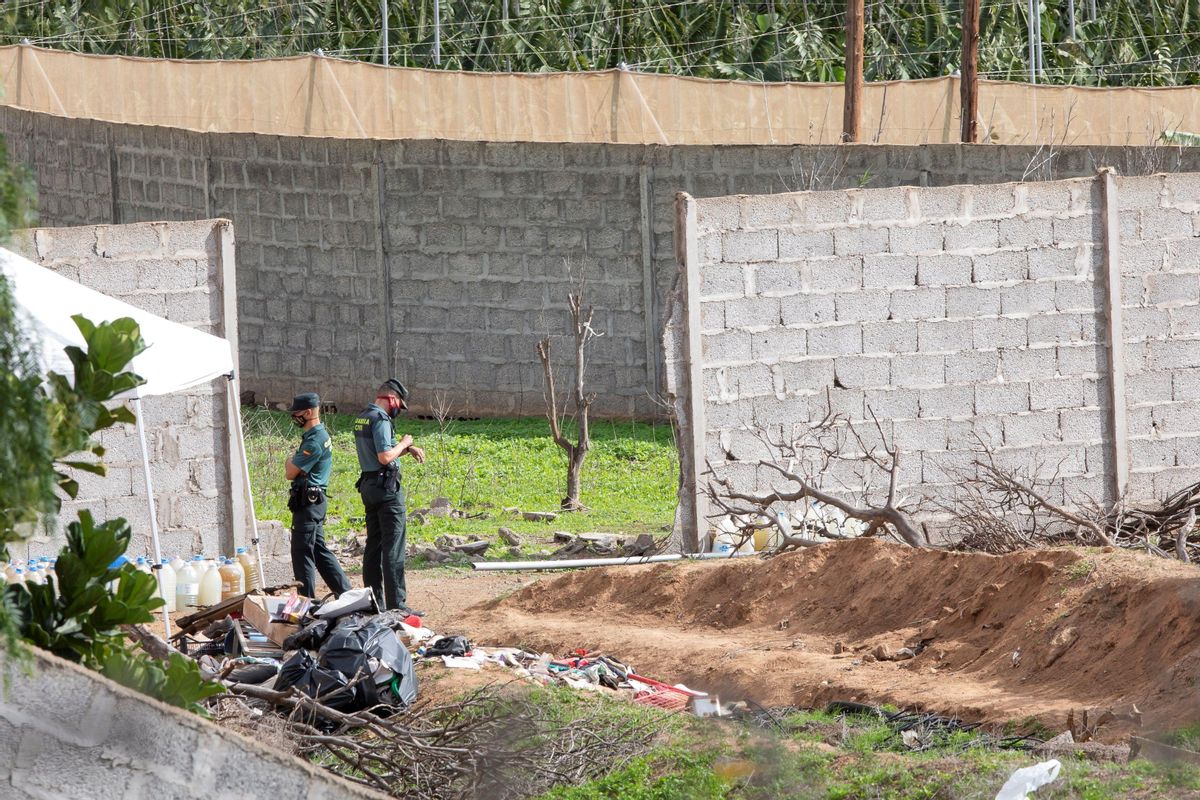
157	570
235	413
600	562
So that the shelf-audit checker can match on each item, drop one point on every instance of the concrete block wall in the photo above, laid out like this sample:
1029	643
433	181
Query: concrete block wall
1160	291
952	313
68	732
444	261
177	271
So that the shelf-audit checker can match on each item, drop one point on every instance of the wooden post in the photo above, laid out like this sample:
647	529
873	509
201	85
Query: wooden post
970	72
852	118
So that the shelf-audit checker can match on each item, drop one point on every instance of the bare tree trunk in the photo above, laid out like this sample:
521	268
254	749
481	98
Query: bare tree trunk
581	324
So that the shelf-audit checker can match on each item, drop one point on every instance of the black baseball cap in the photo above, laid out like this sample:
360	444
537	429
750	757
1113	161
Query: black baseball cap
305	401
393	385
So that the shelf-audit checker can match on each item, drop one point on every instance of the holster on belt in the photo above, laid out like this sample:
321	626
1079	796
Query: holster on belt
302	494
389	478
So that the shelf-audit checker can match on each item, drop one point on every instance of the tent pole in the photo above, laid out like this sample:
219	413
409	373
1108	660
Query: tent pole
157	566
235	413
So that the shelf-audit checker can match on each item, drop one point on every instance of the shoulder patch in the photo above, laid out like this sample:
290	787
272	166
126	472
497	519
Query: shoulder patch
307	452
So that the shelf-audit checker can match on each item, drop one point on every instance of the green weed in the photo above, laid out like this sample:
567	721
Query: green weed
483	466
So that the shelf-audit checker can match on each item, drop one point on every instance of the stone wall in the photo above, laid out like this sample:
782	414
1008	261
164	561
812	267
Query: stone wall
952	314
182	271
444	262
69	732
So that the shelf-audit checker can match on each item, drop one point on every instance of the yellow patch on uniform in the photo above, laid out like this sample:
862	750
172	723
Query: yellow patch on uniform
307	452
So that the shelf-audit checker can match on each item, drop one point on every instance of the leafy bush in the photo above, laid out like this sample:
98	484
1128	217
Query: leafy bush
78	615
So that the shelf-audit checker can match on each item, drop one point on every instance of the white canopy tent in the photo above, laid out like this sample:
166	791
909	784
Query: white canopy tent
176	357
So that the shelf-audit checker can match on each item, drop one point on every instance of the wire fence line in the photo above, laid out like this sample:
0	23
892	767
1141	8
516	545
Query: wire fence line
1125	43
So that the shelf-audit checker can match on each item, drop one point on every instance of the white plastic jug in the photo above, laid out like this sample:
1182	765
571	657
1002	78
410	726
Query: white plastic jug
210	587
166	585
177	564
187	588
727	542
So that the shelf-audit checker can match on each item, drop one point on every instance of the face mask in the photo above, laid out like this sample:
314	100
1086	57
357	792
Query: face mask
298	420
389	404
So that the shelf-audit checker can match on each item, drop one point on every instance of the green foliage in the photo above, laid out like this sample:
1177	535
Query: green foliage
673	775
1128	43
27	490
79	615
80	618
79	409
17	193
177	682
50	427
485	466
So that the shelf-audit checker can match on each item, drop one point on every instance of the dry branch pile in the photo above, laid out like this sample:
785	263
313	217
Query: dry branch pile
492	743
996	508
813	459
1000	509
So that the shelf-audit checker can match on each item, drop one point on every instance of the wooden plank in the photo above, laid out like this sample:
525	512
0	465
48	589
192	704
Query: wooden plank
852	116
970	72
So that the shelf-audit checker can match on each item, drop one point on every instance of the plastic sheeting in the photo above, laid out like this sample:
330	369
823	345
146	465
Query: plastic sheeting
319	96
176	357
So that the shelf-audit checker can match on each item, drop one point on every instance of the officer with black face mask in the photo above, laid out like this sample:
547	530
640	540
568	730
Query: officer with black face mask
308	470
383	494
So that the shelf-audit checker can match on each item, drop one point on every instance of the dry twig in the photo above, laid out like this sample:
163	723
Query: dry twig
833	439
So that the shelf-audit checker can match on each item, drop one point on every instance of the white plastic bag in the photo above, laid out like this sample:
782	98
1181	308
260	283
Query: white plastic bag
1029	779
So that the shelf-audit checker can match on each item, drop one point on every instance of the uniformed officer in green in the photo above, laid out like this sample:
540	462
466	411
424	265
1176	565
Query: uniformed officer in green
308	470
383	494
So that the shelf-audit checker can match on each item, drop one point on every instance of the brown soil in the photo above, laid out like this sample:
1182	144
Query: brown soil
1096	629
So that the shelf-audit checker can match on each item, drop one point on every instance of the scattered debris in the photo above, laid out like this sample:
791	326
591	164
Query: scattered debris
1160	752
1065	745
539	516
1029	779
509	537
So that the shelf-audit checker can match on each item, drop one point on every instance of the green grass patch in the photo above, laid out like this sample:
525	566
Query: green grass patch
484	466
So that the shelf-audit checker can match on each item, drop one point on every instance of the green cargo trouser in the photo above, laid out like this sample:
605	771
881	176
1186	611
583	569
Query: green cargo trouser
383	556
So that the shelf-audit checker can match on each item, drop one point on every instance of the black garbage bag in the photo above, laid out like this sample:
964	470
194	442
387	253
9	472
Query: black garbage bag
253	673
351	646
309	637
344	651
449	646
327	685
386	646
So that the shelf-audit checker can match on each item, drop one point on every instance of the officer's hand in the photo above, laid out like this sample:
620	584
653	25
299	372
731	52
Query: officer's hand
418	453
406	441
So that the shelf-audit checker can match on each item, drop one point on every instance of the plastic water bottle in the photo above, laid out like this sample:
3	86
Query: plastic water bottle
141	565
177	564
250	567
18	576
166	585
233	580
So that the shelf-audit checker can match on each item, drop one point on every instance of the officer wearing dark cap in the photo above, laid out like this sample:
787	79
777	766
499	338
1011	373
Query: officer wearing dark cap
308	470
383	494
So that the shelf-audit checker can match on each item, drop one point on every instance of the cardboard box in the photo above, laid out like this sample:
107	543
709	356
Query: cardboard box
258	611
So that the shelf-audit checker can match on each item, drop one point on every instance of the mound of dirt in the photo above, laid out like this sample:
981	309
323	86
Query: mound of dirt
1036	634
